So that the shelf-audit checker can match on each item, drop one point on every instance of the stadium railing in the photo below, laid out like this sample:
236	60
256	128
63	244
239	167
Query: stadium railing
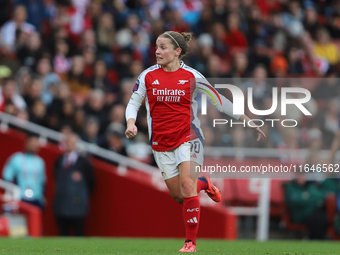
48	134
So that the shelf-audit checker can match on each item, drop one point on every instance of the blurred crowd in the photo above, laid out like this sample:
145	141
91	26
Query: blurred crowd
71	64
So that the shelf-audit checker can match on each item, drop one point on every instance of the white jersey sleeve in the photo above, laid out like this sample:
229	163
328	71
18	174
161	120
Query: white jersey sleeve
219	101
204	87
138	95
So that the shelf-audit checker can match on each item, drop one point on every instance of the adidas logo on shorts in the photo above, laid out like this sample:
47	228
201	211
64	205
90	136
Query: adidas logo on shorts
193	220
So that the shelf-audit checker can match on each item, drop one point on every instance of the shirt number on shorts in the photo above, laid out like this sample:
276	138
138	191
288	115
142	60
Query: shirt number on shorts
195	146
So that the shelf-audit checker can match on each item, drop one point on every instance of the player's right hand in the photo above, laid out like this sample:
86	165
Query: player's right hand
131	131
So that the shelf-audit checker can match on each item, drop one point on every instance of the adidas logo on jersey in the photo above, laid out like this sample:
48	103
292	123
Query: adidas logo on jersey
193	220
155	82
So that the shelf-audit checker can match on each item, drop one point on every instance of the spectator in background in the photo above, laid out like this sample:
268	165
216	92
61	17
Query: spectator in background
325	48
259	55
256	27
78	121
218	33
214	67
100	79
27	170
70	15
96	107
18	23
201	50
117	114
313	64
136	68
295	12
279	67
89	59
34	92
234	37
126	86
261	89
55	108
60	61
204	23
88	41
239	68
31	51
50	80
333	26
115	138
9	94
95	11
38	113
36	11
295	66
74	183
78	83
276	31
123	62
220	11
24	78
105	32
306	205
68	111
310	22
90	132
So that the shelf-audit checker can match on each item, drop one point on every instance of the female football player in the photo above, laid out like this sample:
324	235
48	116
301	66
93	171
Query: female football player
169	89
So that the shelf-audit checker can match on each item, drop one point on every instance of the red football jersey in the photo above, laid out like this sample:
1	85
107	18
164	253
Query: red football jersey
171	104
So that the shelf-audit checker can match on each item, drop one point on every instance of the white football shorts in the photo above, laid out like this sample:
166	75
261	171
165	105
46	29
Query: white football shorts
168	161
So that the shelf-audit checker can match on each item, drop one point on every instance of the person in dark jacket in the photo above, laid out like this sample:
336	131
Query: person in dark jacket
306	204
74	183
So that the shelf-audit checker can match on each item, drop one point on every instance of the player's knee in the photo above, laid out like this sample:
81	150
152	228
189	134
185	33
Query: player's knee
187	186
178	199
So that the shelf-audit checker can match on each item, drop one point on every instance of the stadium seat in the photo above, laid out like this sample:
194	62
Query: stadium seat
276	197
228	195
243	195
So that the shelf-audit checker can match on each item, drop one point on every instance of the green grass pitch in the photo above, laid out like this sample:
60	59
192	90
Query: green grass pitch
159	246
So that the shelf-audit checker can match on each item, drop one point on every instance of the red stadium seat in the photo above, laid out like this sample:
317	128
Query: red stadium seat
276	197
228	195
243	195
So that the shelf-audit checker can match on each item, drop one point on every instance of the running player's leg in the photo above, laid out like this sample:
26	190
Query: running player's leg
191	203
175	189
204	181
202	184
166	162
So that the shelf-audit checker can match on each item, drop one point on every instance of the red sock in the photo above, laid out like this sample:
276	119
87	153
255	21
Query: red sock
191	215
201	185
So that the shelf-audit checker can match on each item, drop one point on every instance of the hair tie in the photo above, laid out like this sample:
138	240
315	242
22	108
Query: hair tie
173	39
